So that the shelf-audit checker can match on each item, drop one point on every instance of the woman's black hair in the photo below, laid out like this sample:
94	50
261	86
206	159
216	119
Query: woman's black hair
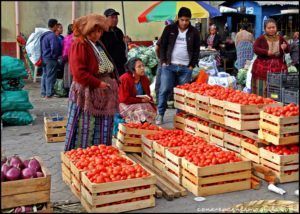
70	29
130	64
270	20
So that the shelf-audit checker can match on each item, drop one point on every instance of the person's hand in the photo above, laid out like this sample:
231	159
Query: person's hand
270	53
146	100
104	85
127	39
283	46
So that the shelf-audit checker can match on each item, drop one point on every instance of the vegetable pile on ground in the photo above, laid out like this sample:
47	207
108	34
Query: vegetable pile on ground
13	168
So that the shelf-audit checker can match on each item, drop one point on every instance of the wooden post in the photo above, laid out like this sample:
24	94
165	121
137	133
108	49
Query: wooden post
17	27
73	11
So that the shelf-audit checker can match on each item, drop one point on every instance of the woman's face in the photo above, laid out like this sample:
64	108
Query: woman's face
213	31
271	29
95	35
139	68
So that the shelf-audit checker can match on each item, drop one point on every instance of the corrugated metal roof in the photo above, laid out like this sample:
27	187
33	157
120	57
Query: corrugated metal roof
266	3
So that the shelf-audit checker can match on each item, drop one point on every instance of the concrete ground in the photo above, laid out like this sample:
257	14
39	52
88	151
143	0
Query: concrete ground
28	141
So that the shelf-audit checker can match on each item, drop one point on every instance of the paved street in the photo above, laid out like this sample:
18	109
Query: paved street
28	141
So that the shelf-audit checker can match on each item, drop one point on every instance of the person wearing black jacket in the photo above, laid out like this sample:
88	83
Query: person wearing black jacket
114	41
213	40
179	54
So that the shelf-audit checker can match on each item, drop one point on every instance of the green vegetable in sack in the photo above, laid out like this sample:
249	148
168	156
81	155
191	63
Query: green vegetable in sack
242	76
12	68
59	88
15	101
148	73
17	118
14	84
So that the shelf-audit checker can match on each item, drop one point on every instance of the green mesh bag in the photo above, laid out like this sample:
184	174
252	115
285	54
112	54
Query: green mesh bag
17	118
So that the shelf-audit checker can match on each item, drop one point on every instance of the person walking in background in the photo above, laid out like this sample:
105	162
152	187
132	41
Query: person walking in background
59	31
179	53
51	50
60	68
93	97
244	46
136	103
270	49
115	41
66	50
295	50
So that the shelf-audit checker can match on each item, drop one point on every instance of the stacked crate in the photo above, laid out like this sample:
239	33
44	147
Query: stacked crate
202	106
173	166
55	130
159	156
179	98
216	110
216	135
232	141
203	130
190	102
250	150
216	179
147	149
179	120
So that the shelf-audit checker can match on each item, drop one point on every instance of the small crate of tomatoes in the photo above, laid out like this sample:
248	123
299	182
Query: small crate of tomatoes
214	170
172	138
216	135
282	160
232	141
117	184
174	156
129	135
179	120
179	97
77	161
216	110
202	129
250	150
190	102
191	124
280	125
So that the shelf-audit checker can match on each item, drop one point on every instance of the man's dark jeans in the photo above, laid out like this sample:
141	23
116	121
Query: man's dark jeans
49	77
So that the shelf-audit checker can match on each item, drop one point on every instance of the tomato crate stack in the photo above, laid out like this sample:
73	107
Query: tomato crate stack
191	124
55	129
129	135
202	106
250	149
179	120
216	110
179	98
202	129
232	141
216	135
215	179
147	148
190	102
173	166
28	192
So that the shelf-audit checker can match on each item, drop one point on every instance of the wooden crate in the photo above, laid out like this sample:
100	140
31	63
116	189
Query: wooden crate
202	106
204	181
279	126
179	122
147	147
179	105
147	158
190	102
250	151
216	136
97	197
26	192
216	110
281	165
159	161
243	117
190	126
232	142
202	131
55	131
173	166
232	147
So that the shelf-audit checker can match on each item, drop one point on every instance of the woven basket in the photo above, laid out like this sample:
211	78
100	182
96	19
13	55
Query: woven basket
266	206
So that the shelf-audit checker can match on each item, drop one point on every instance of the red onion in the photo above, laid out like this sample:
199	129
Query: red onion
13	174
16	162
39	174
2	176
5	167
26	162
27	173
35	165
3	160
23	209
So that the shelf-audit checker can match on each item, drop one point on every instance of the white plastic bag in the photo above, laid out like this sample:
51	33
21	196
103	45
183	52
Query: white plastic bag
249	73
208	64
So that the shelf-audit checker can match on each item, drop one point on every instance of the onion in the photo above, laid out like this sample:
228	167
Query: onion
35	165
13	174
27	173
25	162
2	176
3	160
39	174
5	167
16	162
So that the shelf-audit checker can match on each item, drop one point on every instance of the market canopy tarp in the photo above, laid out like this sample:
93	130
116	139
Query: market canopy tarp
168	10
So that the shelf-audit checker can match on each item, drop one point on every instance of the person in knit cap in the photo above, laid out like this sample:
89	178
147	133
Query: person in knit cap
93	96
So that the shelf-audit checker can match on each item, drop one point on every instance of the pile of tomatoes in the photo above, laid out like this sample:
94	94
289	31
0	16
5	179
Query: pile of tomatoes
285	111
147	126
164	134
227	94
283	150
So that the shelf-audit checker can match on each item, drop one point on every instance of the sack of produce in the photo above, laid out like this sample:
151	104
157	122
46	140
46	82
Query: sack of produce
12	68
59	88
15	101
17	118
14	84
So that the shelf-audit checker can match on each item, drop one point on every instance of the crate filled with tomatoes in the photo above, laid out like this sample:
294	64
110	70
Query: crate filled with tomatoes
242	110
216	135
179	120
250	149
191	124
214	170
117	184
129	135
179	97
232	141
190	102
202	129
280	125
283	160
147	148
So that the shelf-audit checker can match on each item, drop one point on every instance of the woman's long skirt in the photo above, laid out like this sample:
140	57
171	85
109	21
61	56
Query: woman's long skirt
84	129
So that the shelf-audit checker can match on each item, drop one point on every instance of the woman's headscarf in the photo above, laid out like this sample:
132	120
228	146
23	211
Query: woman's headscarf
86	24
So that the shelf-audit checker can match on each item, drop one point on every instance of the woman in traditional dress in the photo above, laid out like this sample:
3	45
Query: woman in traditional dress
244	47
66	49
213	41
136	103
93	97
270	49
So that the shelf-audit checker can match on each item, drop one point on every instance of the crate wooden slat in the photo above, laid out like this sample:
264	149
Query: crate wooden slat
179	91
179	105
202	131
133	131
216	110
202	106
279	159
26	192
55	131
215	140
173	163
159	161
232	147
125	148
147	158
194	178
250	151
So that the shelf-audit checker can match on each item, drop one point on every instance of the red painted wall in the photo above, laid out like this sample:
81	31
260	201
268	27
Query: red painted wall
8	49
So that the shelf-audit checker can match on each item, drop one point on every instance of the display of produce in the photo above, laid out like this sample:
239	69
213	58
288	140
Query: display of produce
283	111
